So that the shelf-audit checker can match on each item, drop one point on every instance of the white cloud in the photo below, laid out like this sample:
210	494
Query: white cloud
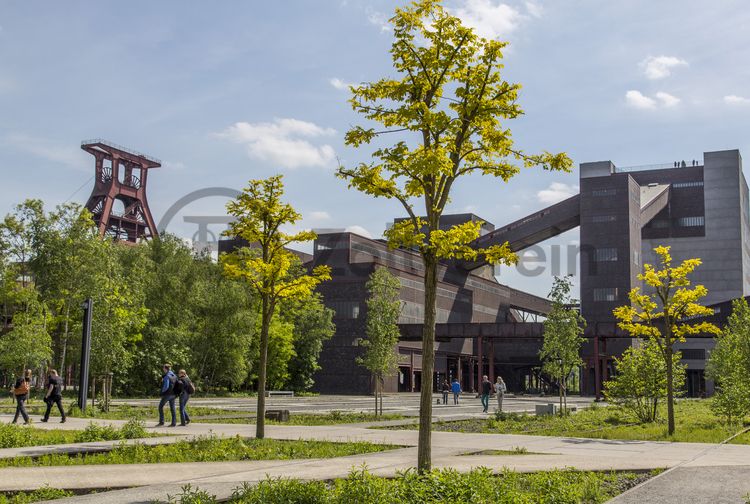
471	209
377	18
318	215
490	19
534	9
736	100
557	191
64	154
340	84
659	67
173	165
359	230
666	99
638	100
283	142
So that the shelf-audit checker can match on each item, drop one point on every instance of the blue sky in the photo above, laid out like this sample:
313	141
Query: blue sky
227	91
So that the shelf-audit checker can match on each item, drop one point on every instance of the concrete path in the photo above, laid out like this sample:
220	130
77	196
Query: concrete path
456	450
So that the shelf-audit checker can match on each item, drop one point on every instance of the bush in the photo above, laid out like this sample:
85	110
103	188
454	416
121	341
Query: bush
133	429
13	436
641	380
41	494
95	432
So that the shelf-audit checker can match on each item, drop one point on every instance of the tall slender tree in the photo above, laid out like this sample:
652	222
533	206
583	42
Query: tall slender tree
449	103
267	265
666	314
563	330
383	310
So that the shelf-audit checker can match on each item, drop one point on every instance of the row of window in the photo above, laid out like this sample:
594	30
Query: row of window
696	221
680	185
608	254
603	218
605	294
610	191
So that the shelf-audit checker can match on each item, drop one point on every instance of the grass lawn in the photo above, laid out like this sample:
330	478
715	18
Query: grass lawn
43	494
332	418
17	436
695	423
205	449
440	486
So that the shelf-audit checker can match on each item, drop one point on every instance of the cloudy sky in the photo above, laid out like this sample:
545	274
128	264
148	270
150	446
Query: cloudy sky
227	91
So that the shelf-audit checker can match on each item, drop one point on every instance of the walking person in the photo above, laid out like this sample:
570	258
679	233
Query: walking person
456	388
186	389
500	390
167	395
446	391
54	395
486	391
21	393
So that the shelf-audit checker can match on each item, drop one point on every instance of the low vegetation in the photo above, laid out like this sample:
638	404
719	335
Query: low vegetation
42	494
439	486
695	421
16	436
205	449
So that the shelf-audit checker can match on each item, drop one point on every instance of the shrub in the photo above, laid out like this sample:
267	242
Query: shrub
13	436
41	494
95	432
133	429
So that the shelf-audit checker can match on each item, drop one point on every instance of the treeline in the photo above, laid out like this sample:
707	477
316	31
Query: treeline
154	302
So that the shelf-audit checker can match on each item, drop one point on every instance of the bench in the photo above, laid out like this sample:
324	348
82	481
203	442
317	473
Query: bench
279	393
279	415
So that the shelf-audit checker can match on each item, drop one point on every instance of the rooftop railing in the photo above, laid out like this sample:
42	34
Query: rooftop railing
120	147
683	163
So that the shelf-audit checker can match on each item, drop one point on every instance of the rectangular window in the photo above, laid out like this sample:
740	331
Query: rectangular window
604	192
660	223
345	309
693	353
691	221
606	254
681	185
605	294
604	218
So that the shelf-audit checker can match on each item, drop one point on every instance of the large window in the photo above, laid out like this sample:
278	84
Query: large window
691	221
608	254
345	309
681	185
605	294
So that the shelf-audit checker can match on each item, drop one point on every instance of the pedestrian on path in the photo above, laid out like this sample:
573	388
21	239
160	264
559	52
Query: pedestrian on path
167	395
500	390
486	391
21	393
446	391
456	388
186	388
53	395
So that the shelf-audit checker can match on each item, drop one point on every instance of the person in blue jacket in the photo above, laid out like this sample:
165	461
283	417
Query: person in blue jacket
456	388
167	395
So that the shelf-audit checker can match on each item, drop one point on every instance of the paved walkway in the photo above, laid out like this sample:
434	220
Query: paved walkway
459	451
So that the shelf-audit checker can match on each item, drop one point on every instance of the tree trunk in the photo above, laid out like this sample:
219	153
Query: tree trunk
64	350
260	422
424	457
670	391
375	377
560	387
381	386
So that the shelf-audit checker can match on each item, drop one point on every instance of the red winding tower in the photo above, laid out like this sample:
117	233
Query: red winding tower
118	201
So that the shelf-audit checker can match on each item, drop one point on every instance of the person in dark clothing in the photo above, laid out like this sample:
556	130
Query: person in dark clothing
446	391
167	395
186	388
53	395
21	393
486	391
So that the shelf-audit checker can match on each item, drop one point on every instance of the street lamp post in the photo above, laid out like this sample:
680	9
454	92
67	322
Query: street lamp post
83	381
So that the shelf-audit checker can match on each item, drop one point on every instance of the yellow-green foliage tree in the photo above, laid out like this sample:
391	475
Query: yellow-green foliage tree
267	265
665	315
448	102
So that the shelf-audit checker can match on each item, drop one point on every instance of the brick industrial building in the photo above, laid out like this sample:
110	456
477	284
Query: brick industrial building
699	208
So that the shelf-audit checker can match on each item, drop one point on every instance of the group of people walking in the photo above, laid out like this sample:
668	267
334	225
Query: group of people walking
486	390
52	396
174	387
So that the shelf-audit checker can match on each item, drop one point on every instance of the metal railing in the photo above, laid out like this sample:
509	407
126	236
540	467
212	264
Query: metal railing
660	166
120	147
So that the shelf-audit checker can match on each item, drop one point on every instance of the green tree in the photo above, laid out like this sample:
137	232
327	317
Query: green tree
313	325
729	365
665	315
268	266
28	344
449	102
380	356
640	381
563	337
